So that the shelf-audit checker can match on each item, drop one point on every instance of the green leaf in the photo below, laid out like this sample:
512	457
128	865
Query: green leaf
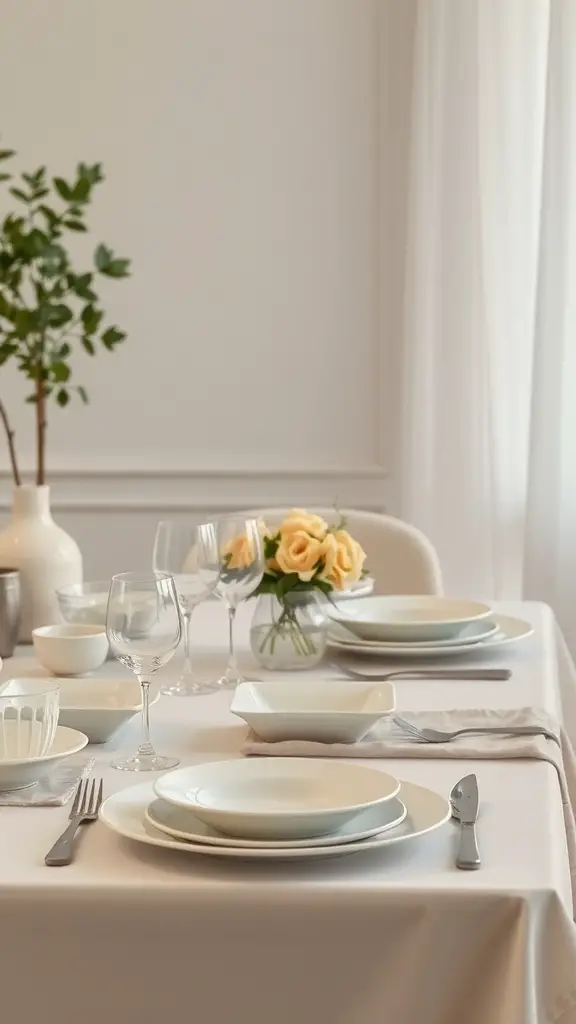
83	394
75	225
54	261
39	193
5	177
286	583
60	372
58	315
50	214
80	285
22	323
102	258
62	397
270	547
91	318
36	242
7	349
5	154
93	173
111	337
81	191
63	189
18	194
116	268
89	346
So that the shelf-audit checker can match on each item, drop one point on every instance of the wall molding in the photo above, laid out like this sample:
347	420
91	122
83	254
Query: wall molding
165	488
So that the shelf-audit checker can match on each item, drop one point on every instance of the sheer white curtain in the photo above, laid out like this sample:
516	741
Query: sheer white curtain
488	466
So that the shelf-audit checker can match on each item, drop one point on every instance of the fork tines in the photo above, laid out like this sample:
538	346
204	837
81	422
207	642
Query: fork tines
87	798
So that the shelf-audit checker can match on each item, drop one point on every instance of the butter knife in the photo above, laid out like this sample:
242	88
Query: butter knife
464	800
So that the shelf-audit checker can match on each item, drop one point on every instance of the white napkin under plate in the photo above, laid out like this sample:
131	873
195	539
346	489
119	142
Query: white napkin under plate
387	740
54	791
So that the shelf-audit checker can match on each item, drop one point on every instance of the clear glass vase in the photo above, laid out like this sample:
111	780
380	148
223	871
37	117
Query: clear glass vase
289	633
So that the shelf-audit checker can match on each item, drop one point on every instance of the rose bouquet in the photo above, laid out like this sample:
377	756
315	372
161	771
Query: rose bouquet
305	559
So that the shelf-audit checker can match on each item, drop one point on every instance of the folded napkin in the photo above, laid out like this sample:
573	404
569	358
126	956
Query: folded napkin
387	740
54	791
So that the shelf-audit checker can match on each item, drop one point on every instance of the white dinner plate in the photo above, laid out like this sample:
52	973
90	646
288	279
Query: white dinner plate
400	619
183	825
474	633
125	813
280	798
510	631
325	711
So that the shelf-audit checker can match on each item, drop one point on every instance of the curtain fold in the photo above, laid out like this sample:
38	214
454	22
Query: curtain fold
488	421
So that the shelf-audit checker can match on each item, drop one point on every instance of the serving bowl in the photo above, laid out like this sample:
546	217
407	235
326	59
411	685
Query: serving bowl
100	707
276	798
406	619
70	650
324	711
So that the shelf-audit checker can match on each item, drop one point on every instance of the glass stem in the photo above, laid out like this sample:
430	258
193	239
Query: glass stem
232	670
145	747
187	616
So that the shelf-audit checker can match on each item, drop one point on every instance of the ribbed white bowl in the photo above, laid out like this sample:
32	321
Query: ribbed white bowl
28	718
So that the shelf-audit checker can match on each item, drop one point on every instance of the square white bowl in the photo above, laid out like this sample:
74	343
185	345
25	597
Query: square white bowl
100	707
327	711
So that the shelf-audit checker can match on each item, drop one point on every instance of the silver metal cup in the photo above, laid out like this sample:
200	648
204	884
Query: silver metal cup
9	611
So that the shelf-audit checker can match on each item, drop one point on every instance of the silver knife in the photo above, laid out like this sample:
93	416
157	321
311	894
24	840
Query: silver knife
465	801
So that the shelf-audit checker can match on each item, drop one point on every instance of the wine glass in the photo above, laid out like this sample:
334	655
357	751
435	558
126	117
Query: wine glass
240	557
182	550
144	628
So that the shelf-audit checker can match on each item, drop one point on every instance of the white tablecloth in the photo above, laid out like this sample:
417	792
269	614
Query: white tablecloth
131	933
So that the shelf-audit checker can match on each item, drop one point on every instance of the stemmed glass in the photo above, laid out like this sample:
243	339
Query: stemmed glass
183	550
144	628
241	564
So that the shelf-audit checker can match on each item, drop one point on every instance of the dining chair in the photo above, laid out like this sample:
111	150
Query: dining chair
400	558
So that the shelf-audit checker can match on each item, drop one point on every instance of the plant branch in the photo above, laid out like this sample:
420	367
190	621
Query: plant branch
11	446
40	429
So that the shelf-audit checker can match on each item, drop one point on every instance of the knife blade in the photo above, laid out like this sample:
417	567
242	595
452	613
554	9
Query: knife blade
466	801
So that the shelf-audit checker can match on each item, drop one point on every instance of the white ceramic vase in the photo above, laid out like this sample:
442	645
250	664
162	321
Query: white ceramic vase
45	555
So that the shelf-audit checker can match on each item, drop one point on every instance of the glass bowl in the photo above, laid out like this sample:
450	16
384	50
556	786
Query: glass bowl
28	718
84	603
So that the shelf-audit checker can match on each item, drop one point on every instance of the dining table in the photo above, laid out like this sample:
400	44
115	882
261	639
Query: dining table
399	935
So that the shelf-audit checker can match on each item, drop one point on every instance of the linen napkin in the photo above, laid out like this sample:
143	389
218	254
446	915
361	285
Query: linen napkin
54	791
388	740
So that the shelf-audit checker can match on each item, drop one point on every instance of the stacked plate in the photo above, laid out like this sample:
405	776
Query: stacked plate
421	627
281	808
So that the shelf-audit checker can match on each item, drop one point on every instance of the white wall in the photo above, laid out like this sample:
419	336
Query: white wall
243	144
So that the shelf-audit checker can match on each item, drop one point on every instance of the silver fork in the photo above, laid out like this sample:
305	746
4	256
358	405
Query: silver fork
498	674
85	808
441	736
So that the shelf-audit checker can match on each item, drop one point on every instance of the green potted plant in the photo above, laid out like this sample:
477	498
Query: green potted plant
49	311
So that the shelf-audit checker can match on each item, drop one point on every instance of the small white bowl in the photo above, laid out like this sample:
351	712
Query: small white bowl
276	798
323	711
19	773
70	650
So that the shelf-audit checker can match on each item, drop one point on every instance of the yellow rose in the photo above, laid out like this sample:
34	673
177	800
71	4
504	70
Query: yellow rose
299	552
239	551
300	520
343	559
